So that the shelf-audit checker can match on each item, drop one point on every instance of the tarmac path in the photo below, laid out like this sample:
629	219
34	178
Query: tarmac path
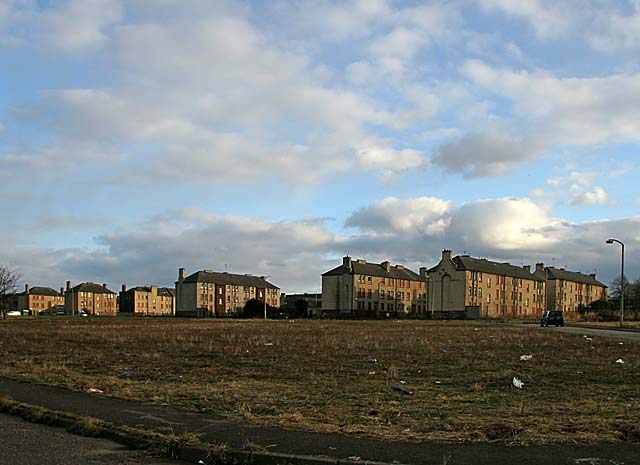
33	444
620	334
216	429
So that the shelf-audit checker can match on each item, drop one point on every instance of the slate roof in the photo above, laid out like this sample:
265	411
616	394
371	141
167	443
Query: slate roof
206	276
37	290
576	277
376	269
465	262
162	291
91	287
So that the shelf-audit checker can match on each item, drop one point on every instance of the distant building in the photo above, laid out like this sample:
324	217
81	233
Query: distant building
147	301
91	298
211	293
485	288
38	299
313	300
569	290
360	288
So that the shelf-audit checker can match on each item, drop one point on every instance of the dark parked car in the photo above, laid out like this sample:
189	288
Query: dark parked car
552	317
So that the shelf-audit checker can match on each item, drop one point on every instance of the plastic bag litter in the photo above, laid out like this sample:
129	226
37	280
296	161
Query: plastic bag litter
526	357
95	391
620	361
517	383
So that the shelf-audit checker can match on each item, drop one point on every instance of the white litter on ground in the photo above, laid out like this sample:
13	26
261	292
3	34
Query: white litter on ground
517	383
526	357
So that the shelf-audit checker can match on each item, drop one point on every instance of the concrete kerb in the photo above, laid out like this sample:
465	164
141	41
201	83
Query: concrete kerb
190	453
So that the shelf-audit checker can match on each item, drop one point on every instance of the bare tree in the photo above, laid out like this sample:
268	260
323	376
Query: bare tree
9	278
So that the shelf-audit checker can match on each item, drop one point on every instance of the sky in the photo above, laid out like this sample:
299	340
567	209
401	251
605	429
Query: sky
273	138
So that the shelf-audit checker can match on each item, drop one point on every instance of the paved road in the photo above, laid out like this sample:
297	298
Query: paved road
612	333
23	443
215	428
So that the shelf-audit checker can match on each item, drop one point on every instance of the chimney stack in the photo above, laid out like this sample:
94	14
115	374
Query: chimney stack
539	267
26	288
124	288
346	263
593	275
181	275
104	285
386	265
446	254
527	268
61	290
68	285
423	272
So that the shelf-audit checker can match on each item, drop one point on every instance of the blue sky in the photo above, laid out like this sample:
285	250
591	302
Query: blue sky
141	136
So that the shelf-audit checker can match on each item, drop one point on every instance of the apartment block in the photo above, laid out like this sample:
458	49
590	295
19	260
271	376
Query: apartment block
360	288
485	288
91	298
211	293
570	290
147	301
38	299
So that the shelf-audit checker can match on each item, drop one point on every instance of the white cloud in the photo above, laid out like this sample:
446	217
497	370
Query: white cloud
597	196
567	111
493	152
548	18
393	215
77	25
617	32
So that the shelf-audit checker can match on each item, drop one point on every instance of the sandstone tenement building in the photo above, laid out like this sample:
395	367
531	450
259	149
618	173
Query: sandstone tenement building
210	293
360	288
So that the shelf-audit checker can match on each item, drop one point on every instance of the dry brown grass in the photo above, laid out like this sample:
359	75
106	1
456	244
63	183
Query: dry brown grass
336	375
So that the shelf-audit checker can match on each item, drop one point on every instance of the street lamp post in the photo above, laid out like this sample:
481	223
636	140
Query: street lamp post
265	295
611	241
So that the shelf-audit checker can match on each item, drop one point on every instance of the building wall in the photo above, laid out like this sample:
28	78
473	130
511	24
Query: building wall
148	303
367	295
338	293
38	303
220	299
569	295
447	287
495	295
99	304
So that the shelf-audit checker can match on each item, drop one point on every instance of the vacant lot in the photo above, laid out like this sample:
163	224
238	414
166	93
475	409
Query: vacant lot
339	375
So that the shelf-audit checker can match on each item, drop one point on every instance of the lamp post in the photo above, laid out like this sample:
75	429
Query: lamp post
611	241
265	295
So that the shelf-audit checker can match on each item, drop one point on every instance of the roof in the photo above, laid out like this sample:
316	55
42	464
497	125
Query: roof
465	262
376	269
162	291
91	287
37	290
206	276
575	276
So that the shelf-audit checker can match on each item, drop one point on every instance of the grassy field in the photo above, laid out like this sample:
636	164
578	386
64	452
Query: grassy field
339	375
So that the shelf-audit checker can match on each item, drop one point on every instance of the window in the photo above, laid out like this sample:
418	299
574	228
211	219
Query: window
369	280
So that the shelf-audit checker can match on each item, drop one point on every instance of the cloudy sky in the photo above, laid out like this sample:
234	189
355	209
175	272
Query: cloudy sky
275	137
